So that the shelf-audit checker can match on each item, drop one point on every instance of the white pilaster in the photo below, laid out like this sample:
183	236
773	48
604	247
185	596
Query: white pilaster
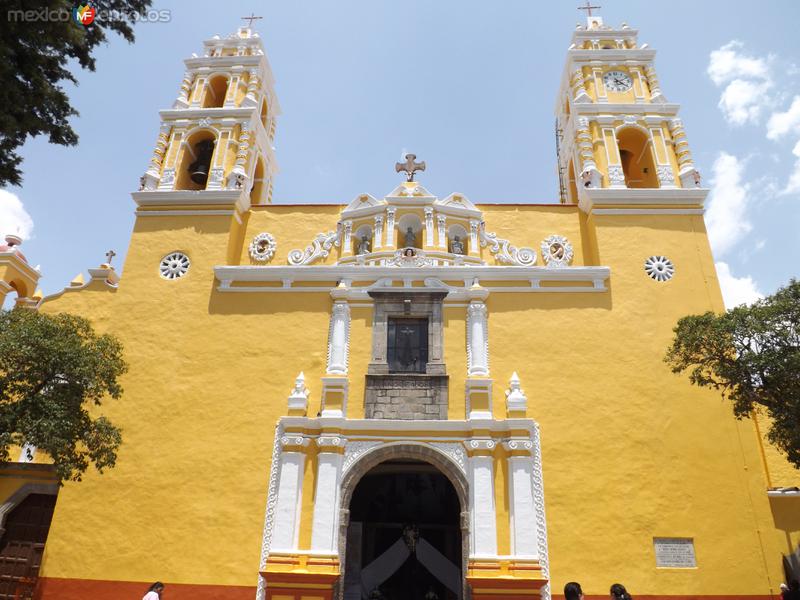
481	500
441	223
377	239
326	498
347	244
339	338
522	517
390	227
290	491
428	227
477	340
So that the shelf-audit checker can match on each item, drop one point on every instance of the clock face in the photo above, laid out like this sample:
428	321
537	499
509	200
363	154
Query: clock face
618	81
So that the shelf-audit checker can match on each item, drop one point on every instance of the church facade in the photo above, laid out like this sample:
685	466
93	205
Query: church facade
411	395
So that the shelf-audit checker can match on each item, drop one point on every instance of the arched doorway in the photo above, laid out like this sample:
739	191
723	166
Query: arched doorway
636	156
404	526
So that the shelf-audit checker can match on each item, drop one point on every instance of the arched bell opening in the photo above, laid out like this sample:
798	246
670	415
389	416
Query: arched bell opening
403	534
457	241
636	156
257	192
409	231
362	242
216	91
197	153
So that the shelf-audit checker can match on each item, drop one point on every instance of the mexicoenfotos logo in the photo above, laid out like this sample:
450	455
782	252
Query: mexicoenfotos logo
84	14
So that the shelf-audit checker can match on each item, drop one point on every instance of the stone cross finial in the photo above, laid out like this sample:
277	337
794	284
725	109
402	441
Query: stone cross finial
588	8
110	255
253	17
410	167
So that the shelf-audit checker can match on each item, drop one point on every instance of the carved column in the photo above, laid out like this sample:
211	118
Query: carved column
390	227
290	491
339	338
347	244
578	83
477	339
185	92
481	498
474	244
238	174
522	517
687	172
251	96
590	175
428	227
652	81
326	497
152	176
441	222
377	238
215	177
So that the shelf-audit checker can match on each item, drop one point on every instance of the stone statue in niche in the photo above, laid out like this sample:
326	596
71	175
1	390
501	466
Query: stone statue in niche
364	245
457	246
410	238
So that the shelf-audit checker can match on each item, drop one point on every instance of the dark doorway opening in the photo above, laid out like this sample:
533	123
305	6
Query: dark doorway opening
411	507
22	545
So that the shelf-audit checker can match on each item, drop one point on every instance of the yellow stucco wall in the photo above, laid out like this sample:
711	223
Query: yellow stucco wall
630	451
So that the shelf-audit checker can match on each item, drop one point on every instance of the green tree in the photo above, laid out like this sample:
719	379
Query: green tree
751	354
53	370
36	45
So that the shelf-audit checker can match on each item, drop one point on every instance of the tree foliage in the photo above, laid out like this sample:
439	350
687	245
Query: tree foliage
53	371
751	354
35	51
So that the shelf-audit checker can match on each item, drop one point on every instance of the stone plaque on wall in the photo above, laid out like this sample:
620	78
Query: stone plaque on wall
675	552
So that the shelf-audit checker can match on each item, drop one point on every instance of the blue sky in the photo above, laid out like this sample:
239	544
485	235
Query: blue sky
468	86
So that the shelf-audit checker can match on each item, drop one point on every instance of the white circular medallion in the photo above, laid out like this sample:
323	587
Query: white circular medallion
556	251
174	265
659	268
263	247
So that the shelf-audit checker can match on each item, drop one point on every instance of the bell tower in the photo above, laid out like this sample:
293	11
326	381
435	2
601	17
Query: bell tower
615	128
214	146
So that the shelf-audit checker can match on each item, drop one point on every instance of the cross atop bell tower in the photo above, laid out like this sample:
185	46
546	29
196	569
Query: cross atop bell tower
214	147
615	128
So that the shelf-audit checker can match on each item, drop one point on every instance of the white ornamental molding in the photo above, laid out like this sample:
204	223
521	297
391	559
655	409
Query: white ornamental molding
272	499
354	450
616	176
507	253
455	451
538	501
263	247
174	265
319	248
408	257
659	268
481	444
557	251
666	178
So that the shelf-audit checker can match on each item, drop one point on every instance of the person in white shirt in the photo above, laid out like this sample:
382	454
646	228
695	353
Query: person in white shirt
154	591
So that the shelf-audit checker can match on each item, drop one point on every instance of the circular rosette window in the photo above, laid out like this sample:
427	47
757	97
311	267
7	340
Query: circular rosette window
557	251
174	265
263	247
659	268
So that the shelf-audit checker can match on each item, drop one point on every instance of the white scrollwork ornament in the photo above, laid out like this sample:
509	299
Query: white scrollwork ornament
263	247
505	252
557	251
319	248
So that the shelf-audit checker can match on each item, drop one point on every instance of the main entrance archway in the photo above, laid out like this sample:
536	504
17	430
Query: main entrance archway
403	532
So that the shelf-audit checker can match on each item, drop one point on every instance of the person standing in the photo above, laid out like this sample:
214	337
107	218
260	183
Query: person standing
154	591
618	592
573	591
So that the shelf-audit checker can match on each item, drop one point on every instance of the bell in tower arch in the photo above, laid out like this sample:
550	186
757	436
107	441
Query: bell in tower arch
199	169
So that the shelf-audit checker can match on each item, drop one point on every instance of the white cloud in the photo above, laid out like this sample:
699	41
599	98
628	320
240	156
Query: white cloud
781	123
736	290
743	101
746	79
727	63
13	216
726	216
793	185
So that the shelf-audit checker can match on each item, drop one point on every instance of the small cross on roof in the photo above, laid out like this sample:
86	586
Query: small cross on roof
588	8
253	17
